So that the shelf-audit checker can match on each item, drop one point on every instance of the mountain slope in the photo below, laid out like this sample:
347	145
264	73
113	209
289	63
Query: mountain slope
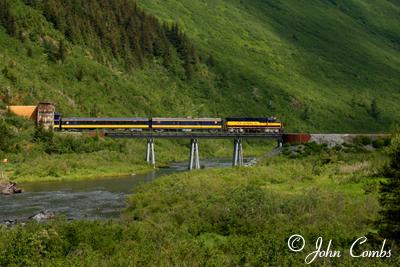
323	61
318	65
91	80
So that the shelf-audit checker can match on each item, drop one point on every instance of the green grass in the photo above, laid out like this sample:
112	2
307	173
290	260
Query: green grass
229	217
39	166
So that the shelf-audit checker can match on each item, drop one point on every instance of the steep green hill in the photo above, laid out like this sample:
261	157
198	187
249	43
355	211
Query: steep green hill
318	65
91	79
323	61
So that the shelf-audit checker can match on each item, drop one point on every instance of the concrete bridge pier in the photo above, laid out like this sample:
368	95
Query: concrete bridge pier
150	155
194	161
237	152
280	142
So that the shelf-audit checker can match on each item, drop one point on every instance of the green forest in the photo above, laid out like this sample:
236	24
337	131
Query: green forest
319	66
322	66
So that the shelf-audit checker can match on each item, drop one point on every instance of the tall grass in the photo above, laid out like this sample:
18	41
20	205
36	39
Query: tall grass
230	217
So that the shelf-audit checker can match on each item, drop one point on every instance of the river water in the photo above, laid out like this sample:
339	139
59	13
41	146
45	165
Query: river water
84	199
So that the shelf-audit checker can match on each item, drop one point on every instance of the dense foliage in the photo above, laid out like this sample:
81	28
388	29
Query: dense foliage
13	131
6	18
220	217
118	28
283	58
390	193
318	65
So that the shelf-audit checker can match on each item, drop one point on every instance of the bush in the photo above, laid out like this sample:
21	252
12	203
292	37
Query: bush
390	193
378	143
314	147
8	136
363	140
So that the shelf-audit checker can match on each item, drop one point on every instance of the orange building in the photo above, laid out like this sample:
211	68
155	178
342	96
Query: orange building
24	111
43	113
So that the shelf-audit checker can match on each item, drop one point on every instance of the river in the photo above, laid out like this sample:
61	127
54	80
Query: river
85	199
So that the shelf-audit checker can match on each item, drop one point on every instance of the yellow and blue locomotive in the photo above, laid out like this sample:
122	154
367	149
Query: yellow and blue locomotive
248	124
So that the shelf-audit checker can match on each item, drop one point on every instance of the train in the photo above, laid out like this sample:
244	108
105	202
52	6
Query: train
231	125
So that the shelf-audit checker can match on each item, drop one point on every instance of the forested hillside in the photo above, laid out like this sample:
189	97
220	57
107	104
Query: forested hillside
318	65
99	58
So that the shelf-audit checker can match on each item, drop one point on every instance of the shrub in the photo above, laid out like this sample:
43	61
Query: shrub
8	137
378	143
363	140
390	193
315	148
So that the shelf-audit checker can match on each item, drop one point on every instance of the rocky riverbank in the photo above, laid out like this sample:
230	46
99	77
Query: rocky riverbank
40	217
9	188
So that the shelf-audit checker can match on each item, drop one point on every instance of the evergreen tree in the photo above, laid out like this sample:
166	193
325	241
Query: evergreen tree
61	51
167	58
79	74
117	29
6	142
190	60
147	43
29	52
210	61
374	110
305	115
7	18
188	70
390	193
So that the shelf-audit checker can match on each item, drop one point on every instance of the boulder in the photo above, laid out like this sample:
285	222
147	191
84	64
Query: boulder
10	188
9	223
42	216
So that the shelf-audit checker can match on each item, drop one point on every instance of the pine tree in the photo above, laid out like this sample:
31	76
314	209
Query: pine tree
390	193
167	58
147	42
188	70
190	60
114	28
29	52
374	110
61	51
139	53
210	61
305	115
7	18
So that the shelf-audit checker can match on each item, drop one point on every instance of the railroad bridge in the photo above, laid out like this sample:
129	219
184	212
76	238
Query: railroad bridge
194	159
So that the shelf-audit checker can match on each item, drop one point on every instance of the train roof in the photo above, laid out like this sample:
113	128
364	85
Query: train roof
251	119
105	119
186	119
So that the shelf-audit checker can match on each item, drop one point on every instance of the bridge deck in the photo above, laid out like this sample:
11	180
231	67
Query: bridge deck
192	135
